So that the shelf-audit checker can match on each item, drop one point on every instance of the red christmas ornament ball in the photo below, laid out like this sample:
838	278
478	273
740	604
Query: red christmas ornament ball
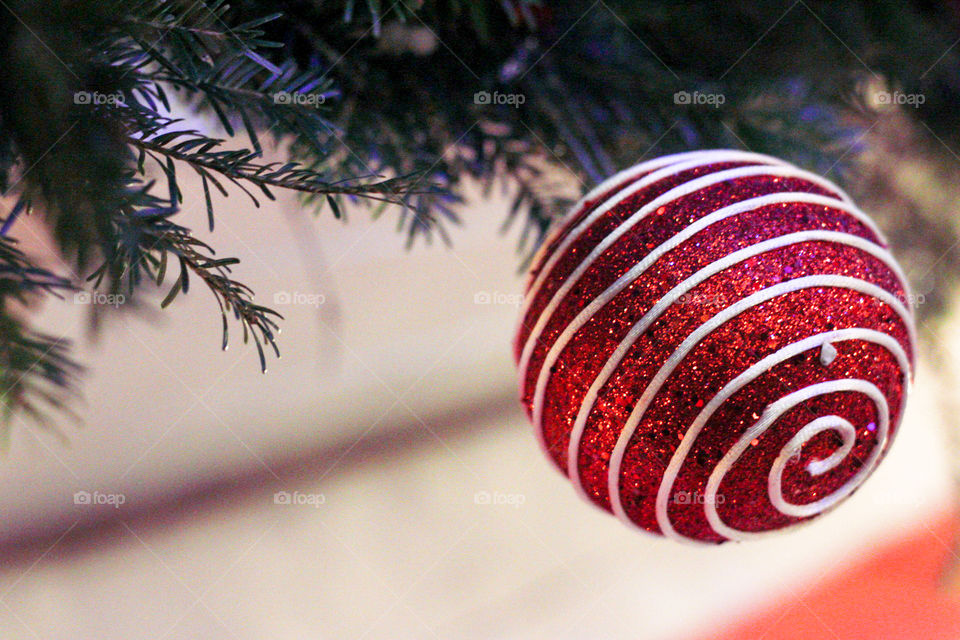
714	345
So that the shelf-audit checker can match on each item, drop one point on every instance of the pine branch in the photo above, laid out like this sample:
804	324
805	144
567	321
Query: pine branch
36	372
148	240
363	90
240	166
232	297
183	37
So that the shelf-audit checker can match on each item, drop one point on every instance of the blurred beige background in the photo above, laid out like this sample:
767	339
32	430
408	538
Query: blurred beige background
389	422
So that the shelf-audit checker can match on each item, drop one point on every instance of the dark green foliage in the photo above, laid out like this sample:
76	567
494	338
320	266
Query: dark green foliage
36	372
383	102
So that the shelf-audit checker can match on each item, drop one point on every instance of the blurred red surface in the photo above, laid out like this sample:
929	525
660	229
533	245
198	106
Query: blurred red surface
894	591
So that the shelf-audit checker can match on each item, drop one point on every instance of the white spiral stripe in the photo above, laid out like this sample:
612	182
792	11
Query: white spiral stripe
698	160
704	330
677	192
745	378
793	448
680	162
613	362
770	415
848	437
644	167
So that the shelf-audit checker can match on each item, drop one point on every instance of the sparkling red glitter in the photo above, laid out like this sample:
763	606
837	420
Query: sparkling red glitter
657	227
730	349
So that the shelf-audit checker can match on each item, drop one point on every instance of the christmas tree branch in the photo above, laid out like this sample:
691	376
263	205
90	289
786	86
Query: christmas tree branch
36	373
430	93
240	166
